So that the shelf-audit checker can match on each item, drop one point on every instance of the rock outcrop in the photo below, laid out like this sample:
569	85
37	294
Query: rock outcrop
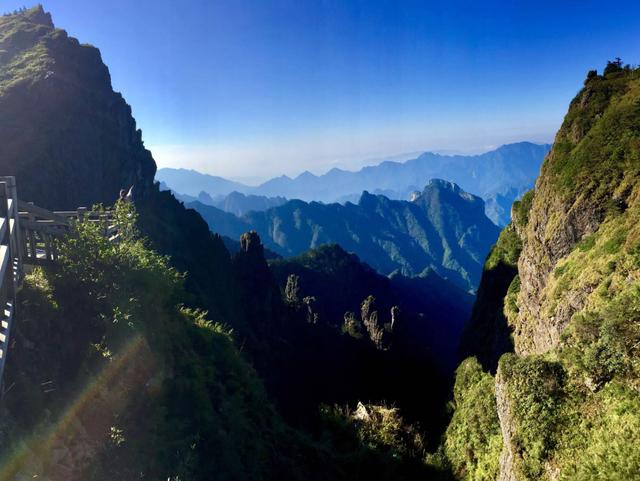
505	416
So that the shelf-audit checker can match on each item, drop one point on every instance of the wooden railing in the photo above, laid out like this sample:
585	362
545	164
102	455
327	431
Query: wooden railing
41	229
11	263
30	235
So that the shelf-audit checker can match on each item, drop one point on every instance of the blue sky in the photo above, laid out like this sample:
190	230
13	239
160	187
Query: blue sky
251	89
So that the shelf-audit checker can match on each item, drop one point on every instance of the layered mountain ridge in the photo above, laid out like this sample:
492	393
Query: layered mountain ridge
499	176
443	229
234	203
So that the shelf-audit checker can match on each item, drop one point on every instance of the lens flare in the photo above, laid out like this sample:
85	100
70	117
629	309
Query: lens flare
44	441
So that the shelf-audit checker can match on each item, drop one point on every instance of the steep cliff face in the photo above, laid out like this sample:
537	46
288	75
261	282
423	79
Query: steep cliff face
588	177
57	104
573	311
488	335
563	286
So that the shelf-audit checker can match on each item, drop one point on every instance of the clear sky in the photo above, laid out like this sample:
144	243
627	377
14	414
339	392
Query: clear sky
252	89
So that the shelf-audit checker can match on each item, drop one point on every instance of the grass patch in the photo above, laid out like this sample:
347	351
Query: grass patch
506	250
473	440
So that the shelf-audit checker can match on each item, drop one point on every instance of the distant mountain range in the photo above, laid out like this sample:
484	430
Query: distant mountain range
234	203
239	204
499	177
443	229
192	182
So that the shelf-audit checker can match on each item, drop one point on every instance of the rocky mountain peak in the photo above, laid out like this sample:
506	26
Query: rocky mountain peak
52	86
35	15
38	15
440	192
445	186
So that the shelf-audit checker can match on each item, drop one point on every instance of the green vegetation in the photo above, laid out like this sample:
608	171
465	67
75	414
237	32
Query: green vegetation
521	209
511	299
473	440
24	63
601	341
596	150
487	335
83	315
571	413
506	250
575	410
378	439
603	442
163	391
535	391
563	423
112	377
352	326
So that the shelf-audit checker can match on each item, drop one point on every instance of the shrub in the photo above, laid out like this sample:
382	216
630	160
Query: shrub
603	344
605	440
184	405
375	442
522	207
473	439
535	390
506	250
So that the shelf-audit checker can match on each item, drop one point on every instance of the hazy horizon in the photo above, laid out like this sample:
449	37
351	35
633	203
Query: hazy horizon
260	89
253	181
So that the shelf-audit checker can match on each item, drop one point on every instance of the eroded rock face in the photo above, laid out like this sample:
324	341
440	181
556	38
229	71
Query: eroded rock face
507	472
52	88
580	182
556	226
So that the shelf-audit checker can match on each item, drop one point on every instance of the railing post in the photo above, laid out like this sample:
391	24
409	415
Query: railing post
25	242
33	253
105	225
16	241
54	248
48	254
7	289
